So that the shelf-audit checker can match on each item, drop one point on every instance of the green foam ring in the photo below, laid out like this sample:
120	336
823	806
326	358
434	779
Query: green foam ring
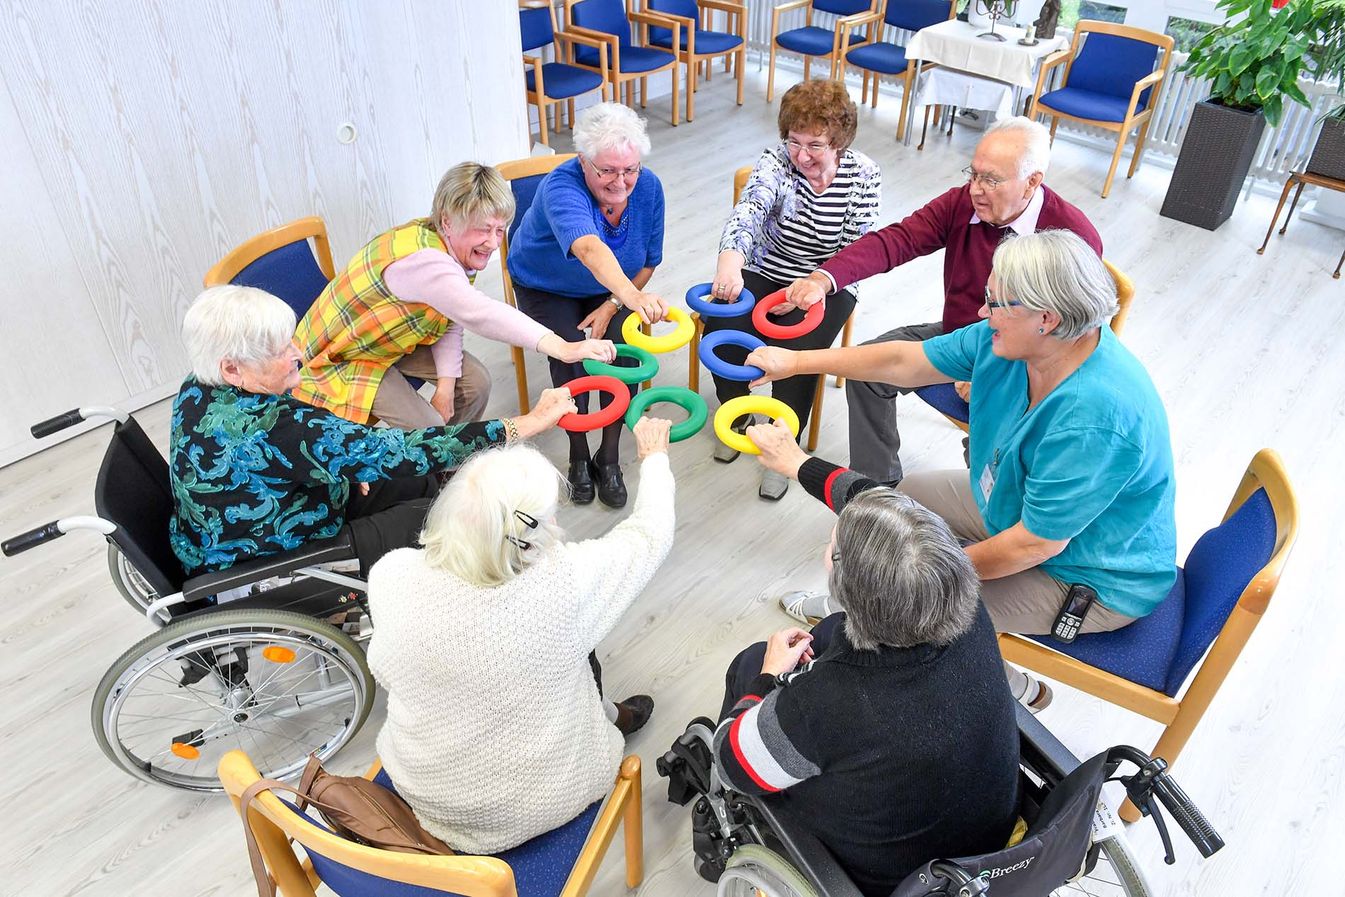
645	370
679	396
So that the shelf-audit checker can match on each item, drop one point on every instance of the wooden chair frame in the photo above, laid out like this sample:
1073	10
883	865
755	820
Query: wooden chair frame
1133	119
693	349
1180	716
838	39
616	78
878	20
247	252
275	825
736	14
566	41
522	168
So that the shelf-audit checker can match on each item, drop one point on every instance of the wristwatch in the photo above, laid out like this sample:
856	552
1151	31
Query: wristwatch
615	301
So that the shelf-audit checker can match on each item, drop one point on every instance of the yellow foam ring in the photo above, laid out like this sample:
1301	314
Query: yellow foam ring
680	336
185	751
736	408
278	654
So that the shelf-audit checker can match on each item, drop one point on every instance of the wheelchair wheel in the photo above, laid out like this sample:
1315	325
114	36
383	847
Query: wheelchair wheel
132	586
1115	874
756	871
275	684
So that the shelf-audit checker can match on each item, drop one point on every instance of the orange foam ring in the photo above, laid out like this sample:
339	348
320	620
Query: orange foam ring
185	751
278	654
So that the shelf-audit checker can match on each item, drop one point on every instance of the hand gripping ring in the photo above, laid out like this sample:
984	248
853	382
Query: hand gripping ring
811	318
630	330
645	370
712	341
679	395
740	306
594	420
736	408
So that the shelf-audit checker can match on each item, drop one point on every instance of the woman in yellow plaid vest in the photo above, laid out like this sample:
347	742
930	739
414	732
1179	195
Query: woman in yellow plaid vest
400	307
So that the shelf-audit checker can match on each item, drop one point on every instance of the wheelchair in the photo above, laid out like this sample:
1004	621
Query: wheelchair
266	672
1073	843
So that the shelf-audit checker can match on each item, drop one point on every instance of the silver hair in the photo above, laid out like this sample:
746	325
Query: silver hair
479	527
1034	140
900	575
608	126
240	324
1056	271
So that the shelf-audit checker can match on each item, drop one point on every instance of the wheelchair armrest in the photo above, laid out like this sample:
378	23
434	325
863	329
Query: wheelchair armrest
808	854
1041	751
338	548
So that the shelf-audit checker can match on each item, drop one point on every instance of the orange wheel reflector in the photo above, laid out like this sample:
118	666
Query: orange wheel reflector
185	751
278	654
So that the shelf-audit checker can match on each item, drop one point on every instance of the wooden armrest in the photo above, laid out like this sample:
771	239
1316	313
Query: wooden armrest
674	21
722	6
859	18
533	61
605	44
792	4
1149	80
1054	59
658	20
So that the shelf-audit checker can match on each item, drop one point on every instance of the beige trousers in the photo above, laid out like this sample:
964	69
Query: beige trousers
399	405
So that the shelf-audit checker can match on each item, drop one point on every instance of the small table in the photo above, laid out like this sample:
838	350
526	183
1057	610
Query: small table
955	45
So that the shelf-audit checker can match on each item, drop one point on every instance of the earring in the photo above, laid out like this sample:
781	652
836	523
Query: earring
1041	330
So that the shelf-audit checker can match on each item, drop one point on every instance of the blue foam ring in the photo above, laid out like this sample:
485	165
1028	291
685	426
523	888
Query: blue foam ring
740	306
714	340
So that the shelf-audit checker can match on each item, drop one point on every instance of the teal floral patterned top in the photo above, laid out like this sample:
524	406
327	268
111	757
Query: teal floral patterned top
255	475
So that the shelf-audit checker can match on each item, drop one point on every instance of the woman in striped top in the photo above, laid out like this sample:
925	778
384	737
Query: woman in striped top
807	198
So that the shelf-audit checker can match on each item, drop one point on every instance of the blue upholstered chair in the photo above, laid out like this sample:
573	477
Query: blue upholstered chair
560	862
813	40
699	44
880	57
1219	597
281	262
630	60
552	83
943	398
1113	79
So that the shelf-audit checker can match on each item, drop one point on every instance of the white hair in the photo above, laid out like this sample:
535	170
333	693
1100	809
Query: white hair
231	323
607	126
1056	271
479	527
1034	141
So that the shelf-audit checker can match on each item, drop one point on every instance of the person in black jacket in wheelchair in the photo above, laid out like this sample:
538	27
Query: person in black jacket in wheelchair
889	730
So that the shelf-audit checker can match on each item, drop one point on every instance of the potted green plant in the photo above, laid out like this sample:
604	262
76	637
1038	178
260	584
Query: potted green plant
1253	62
1328	66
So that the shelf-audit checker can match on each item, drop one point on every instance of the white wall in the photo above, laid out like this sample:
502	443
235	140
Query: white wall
142	139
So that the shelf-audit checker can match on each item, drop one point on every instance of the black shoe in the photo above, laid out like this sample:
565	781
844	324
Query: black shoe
581	481
633	713
611	487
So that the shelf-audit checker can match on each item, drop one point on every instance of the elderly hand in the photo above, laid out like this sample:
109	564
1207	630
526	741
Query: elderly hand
551	406
651	307
728	282
442	400
597	349
776	363
651	436
963	389
807	291
779	450
597	320
785	650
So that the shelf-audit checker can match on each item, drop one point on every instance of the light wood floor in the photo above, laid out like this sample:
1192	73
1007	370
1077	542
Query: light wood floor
1244	350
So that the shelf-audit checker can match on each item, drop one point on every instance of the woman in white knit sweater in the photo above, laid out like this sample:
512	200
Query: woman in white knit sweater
496	729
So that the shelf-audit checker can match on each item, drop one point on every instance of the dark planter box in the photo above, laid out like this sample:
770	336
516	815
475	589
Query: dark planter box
1213	164
1328	153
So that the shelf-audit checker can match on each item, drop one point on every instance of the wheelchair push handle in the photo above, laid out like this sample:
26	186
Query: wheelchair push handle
1188	816
1152	780
31	539
57	423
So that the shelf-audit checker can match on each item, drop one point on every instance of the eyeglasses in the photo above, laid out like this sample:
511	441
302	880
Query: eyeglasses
813	148
611	174
527	520
988	182
992	303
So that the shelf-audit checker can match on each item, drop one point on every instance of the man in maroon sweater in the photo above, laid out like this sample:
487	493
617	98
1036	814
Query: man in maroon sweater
1004	194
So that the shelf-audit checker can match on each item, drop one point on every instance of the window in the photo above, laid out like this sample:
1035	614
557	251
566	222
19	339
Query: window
1071	11
1186	32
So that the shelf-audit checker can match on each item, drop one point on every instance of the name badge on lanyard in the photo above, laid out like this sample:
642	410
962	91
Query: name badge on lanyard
987	480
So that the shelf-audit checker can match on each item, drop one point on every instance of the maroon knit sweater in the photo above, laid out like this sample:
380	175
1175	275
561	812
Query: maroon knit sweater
945	223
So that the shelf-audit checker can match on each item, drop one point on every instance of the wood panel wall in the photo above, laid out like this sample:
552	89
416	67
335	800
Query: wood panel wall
142	139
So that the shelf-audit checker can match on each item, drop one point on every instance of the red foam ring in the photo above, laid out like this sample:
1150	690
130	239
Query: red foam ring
766	327
596	420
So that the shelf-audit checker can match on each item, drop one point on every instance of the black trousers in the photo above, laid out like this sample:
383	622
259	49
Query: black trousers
562	315
747	665
390	516
796	392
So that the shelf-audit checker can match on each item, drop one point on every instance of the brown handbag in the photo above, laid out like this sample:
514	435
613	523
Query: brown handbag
354	807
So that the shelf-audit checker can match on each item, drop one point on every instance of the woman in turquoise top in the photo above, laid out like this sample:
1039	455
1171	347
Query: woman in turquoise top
1071	475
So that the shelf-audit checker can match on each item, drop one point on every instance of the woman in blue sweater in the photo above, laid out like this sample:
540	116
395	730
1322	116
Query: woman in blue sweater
581	259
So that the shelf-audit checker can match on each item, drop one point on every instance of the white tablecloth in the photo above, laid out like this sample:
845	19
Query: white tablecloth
949	87
956	45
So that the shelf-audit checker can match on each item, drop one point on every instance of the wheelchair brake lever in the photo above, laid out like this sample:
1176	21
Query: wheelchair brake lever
1150	809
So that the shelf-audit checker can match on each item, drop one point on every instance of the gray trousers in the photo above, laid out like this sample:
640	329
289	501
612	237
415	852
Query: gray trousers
1026	602
874	440
397	404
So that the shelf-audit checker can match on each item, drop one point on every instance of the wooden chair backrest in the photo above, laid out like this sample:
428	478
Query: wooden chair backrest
247	252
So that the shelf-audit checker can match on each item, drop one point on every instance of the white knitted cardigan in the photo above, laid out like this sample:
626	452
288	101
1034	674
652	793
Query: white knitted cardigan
495	730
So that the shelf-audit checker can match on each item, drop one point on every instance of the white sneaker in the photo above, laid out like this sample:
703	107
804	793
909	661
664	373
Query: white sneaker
1037	696
808	607
773	485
